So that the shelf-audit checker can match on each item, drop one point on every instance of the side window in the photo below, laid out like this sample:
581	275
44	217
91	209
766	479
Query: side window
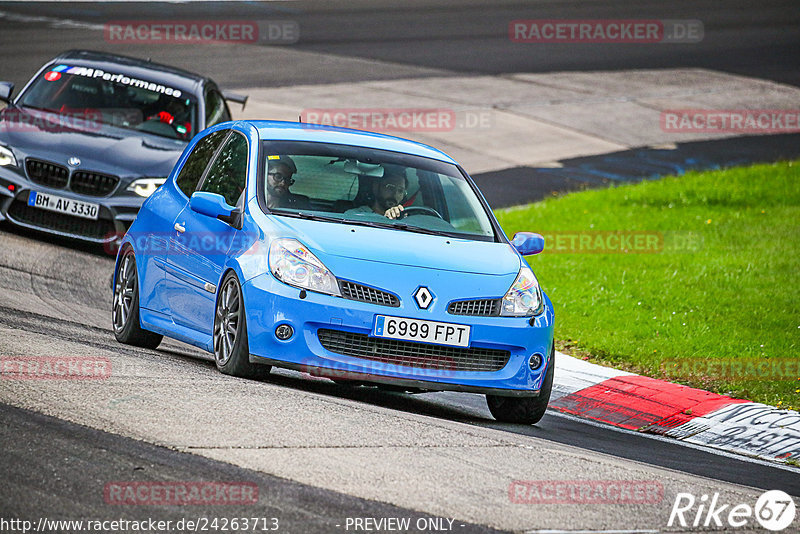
198	160
216	109
228	174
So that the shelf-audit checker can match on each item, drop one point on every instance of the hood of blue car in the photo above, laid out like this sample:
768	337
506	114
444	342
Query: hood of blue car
329	241
100	147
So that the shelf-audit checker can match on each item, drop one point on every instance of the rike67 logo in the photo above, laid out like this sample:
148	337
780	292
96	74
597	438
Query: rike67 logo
774	510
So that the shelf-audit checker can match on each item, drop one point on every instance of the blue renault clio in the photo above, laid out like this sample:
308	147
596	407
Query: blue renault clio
359	257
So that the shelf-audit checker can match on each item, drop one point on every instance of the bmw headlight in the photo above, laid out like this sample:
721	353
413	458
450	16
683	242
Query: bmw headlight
7	157
524	299
144	187
292	263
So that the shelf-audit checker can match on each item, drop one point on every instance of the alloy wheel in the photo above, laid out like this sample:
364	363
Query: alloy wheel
226	321
124	292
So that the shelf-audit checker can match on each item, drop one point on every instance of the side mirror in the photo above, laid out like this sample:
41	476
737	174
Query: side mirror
214	205
528	243
6	88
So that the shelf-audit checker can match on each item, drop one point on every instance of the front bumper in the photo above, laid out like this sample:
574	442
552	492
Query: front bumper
117	211
270	303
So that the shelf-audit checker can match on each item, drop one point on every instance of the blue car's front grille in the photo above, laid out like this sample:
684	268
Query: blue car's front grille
362	293
411	354
45	173
475	307
92	183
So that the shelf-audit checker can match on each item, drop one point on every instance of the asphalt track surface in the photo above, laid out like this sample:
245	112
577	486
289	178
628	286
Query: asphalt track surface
433	37
62	483
55	467
385	40
522	185
65	464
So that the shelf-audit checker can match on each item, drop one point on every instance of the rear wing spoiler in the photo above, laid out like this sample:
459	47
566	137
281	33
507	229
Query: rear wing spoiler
235	97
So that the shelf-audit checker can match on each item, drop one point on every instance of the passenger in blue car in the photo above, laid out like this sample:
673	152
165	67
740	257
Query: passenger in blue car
280	170
387	194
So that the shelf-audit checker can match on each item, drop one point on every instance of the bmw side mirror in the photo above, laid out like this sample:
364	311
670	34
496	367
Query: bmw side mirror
528	243
6	88
214	205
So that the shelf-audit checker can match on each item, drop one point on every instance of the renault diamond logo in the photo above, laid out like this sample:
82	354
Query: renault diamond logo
424	297
73	161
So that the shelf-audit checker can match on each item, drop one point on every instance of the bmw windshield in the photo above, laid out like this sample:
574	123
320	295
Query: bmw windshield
94	96
371	187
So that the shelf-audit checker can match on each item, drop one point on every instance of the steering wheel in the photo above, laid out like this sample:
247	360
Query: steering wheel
155	126
419	210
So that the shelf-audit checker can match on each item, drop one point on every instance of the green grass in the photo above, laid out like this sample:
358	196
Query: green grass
732	297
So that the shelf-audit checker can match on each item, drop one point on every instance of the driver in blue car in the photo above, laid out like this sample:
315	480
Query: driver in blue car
280	170
387	194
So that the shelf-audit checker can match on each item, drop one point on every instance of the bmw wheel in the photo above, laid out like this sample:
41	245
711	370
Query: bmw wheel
231	348
125	309
525	410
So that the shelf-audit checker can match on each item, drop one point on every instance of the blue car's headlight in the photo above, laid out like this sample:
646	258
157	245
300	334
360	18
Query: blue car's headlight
524	299
292	263
7	157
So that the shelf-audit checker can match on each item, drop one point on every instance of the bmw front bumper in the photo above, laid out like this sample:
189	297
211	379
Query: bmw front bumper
115	215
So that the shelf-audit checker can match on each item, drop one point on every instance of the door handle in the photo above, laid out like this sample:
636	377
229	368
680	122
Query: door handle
179	228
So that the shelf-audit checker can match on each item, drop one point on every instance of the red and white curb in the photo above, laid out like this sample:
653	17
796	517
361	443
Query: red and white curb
691	415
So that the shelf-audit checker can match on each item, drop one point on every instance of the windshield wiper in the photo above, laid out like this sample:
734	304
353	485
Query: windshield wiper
304	215
398	226
416	229
325	218
372	224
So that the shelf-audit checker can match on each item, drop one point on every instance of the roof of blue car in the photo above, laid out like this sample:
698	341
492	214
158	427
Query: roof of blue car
297	131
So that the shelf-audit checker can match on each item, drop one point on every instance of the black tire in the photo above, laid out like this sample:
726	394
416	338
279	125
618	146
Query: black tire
125	306
231	348
524	410
345	382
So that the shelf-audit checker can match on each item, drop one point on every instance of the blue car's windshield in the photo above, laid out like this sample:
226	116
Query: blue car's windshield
372	187
95	96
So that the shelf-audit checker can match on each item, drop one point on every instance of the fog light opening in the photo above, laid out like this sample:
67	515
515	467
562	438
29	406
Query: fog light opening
535	361
284	332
